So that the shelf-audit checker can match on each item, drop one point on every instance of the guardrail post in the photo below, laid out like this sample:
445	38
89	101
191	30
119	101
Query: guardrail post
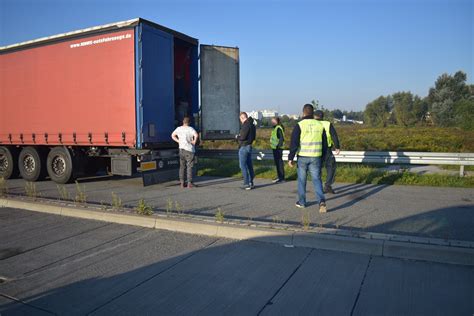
461	170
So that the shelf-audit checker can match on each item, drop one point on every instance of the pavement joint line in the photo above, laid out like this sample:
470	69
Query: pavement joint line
42	268
361	285
58	240
186	257
377	244
26	303
269	301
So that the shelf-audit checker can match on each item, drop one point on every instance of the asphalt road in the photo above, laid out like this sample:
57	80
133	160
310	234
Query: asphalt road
66	266
446	213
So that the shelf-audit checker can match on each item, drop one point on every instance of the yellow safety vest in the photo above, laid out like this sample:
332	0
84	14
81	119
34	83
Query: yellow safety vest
274	137
327	126
311	138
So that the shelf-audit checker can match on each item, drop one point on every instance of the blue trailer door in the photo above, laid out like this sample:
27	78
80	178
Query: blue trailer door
155	104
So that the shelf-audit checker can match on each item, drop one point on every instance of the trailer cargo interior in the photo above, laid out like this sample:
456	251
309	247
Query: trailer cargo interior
111	96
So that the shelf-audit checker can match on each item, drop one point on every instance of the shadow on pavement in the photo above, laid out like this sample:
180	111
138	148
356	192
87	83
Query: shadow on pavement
238	278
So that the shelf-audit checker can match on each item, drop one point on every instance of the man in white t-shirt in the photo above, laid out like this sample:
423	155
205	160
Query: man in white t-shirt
186	137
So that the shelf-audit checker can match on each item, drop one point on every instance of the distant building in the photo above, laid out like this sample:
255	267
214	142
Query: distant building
269	113
256	115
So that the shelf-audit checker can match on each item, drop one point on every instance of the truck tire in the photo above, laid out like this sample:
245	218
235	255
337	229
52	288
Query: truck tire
59	165
8	162
32	164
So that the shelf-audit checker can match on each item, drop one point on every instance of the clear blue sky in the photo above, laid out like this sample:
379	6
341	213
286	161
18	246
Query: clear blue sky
342	53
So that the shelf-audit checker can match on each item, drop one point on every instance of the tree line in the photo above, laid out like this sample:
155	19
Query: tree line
449	103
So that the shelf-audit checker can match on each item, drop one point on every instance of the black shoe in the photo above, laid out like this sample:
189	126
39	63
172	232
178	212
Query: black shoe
328	189
298	205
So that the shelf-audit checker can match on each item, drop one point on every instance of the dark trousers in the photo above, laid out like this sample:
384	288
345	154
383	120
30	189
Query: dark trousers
329	163
278	158
186	164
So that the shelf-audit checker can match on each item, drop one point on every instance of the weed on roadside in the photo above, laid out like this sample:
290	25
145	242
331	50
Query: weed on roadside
81	197
143	208
63	193
277	219
3	187
219	215
305	219
103	205
116	202
179	208
30	189
169	207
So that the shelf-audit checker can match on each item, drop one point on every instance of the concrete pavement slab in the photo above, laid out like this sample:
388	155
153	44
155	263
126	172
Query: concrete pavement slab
405	287
80	283
40	258
9	307
327	283
17	240
226	279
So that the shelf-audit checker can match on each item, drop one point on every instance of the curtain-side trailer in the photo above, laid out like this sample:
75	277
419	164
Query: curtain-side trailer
111	96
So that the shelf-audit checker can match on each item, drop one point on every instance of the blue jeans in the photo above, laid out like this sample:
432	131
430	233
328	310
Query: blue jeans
313	164
245	162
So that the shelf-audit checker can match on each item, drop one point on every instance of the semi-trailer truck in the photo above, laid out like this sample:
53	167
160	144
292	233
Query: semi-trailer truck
111	96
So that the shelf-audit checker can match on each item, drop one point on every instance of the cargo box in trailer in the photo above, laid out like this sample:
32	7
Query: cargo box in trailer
111	96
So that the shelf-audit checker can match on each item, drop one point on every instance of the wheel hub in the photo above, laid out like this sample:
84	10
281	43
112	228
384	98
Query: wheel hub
29	164
58	165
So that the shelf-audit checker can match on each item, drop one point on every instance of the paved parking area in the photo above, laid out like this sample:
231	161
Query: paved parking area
58	265
446	213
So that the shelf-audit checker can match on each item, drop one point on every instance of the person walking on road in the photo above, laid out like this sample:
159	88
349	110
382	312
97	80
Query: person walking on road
277	141
246	139
186	137
328	159
307	143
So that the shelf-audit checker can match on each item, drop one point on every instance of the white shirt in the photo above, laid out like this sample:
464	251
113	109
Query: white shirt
185	135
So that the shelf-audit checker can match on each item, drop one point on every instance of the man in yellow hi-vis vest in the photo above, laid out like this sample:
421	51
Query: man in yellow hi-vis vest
307	142
277	141
328	159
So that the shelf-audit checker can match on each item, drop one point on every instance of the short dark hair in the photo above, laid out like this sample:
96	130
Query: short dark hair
308	109
244	114
186	120
319	114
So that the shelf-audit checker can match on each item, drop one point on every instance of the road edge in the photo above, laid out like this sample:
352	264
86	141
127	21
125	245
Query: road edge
391	246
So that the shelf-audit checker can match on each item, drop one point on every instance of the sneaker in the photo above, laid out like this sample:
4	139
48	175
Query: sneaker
245	187
322	207
298	205
275	180
250	187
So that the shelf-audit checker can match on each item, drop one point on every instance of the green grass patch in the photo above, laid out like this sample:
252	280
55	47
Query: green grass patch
348	173
393	138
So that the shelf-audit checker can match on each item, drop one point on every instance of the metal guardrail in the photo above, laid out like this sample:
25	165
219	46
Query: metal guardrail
381	157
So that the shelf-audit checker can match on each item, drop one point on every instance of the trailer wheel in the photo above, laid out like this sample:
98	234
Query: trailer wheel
59	165
8	162
31	164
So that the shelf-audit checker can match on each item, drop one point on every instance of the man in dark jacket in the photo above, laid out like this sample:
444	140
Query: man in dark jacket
246	138
328	159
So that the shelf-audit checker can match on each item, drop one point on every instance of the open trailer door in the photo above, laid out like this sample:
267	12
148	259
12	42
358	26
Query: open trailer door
220	92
